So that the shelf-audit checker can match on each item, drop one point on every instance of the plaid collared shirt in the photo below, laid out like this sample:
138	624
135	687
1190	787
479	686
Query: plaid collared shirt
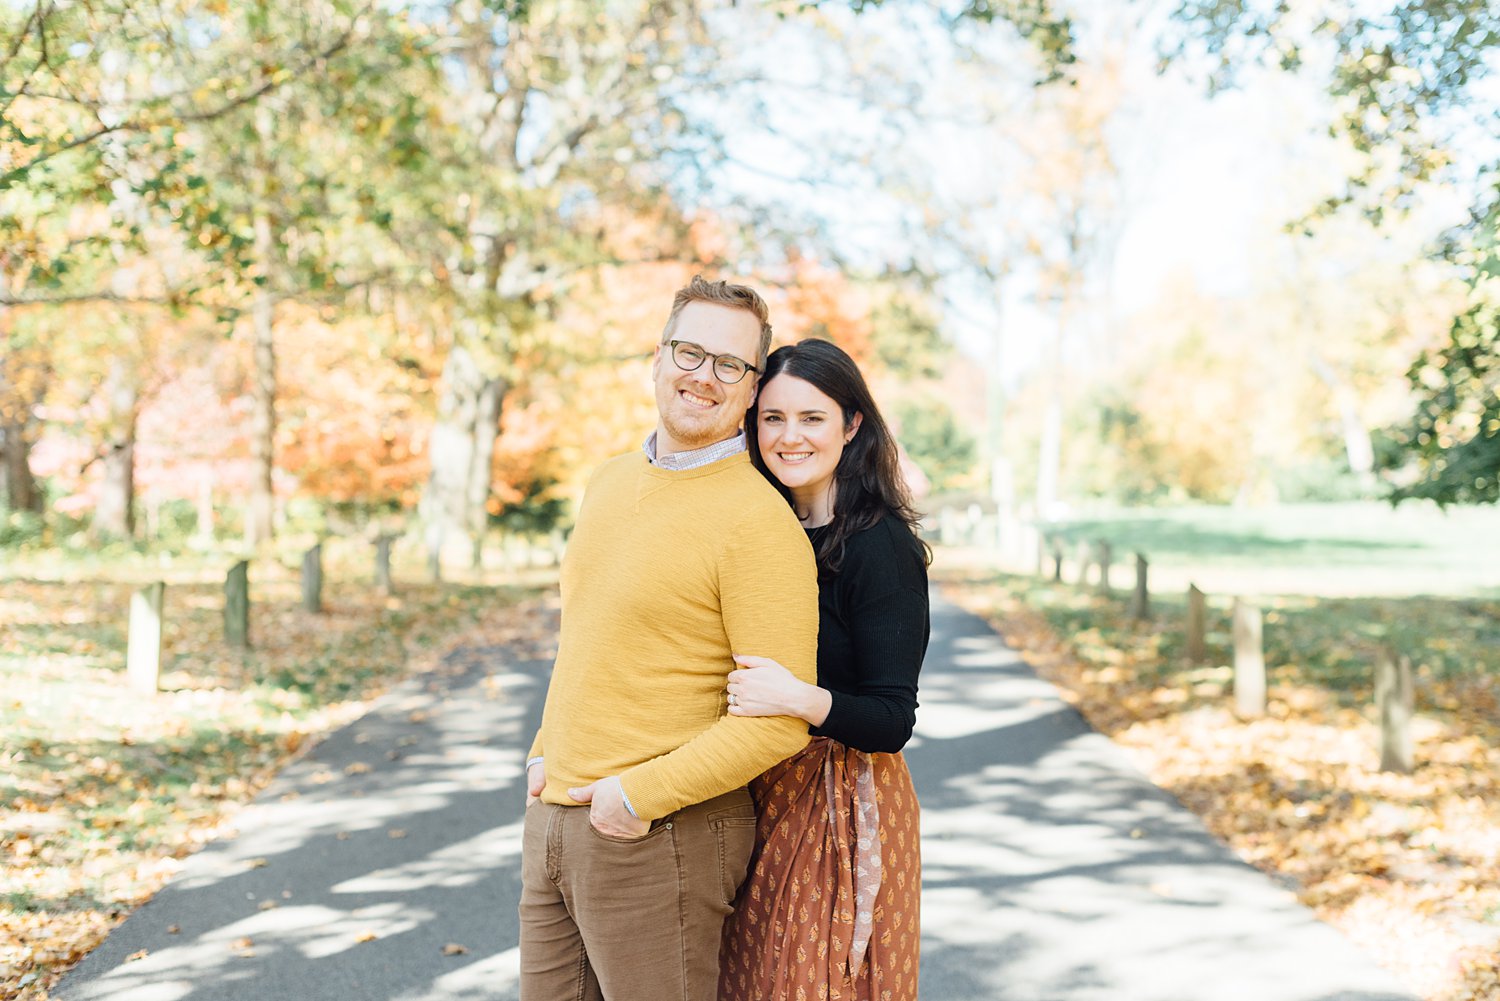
698	456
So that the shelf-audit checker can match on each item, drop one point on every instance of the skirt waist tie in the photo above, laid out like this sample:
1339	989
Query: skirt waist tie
864	857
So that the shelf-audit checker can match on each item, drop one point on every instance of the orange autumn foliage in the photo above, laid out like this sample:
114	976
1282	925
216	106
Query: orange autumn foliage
598	401
351	422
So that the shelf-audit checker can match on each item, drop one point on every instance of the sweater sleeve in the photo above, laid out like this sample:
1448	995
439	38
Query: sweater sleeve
890	637
884	597
768	597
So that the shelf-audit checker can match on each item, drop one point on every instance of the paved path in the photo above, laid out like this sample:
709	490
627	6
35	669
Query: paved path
1053	870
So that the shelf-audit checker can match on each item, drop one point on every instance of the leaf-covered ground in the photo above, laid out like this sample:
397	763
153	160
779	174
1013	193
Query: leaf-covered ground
1407	866
103	791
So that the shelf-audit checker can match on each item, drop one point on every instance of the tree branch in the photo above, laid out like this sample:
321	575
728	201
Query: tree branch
69	298
15	46
10	177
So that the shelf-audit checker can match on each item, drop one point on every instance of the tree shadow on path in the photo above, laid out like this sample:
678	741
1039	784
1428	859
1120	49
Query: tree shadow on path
1053	870
382	865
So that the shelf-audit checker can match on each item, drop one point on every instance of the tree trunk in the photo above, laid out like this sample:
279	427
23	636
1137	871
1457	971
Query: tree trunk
260	525
18	432
481	464
461	450
203	532
260	517
20	491
1357	444
1049	458
1002	489
114	516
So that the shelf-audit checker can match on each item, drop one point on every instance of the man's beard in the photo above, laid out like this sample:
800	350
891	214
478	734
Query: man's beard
691	428
694	430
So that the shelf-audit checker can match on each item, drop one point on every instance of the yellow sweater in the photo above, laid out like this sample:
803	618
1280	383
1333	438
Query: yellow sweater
666	575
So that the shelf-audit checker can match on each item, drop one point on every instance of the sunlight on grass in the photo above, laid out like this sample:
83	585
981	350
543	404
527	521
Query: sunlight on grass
1322	549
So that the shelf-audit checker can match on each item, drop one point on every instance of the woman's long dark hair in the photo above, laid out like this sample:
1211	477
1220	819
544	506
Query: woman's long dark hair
867	481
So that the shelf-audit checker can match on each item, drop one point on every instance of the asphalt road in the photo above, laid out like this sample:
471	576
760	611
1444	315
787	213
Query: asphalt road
384	865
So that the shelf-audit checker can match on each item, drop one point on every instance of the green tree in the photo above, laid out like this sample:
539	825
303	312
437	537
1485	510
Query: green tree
907	338
936	442
1408	75
555	123
1455	434
291	195
223	144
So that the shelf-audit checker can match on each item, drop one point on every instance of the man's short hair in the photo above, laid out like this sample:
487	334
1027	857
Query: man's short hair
723	293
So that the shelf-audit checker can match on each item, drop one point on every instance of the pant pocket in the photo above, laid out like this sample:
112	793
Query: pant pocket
734	836
656	828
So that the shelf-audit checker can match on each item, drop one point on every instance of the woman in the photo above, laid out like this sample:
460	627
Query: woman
830	908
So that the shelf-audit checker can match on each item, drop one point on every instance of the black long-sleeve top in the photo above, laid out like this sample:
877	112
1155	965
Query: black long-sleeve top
873	626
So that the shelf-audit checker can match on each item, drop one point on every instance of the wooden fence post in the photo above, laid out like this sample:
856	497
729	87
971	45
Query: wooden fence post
436	536
1393	697
143	641
1106	553
1140	601
1197	646
237	604
383	564
1249	661
948	527
312	579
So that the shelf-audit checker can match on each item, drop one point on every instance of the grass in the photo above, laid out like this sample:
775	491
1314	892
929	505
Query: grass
1352	550
102	788
1330	642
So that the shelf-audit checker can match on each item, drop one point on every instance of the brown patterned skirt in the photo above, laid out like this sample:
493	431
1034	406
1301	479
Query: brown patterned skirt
830	910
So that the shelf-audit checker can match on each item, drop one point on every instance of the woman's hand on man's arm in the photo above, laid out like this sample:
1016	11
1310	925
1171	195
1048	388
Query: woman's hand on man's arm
762	687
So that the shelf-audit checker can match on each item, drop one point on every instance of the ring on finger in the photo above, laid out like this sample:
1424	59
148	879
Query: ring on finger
733	699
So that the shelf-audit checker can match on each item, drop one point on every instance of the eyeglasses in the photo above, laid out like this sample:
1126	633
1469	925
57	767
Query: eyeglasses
727	368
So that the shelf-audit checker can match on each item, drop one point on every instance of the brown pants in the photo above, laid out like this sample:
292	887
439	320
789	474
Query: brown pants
629	920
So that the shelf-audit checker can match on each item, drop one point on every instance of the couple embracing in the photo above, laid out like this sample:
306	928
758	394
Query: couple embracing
717	806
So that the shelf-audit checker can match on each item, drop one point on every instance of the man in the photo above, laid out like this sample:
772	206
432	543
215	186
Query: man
682	557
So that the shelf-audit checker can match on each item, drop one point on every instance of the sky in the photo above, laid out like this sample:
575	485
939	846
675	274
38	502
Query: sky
1205	183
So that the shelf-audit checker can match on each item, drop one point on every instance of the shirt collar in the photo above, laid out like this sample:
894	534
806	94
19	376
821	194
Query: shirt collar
696	457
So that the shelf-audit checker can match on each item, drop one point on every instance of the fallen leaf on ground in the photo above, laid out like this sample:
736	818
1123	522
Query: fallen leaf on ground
1404	865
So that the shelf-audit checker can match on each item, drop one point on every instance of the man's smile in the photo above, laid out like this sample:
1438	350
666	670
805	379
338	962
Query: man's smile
693	399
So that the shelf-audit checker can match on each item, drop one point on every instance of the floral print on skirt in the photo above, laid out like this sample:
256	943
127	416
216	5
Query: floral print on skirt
830	910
